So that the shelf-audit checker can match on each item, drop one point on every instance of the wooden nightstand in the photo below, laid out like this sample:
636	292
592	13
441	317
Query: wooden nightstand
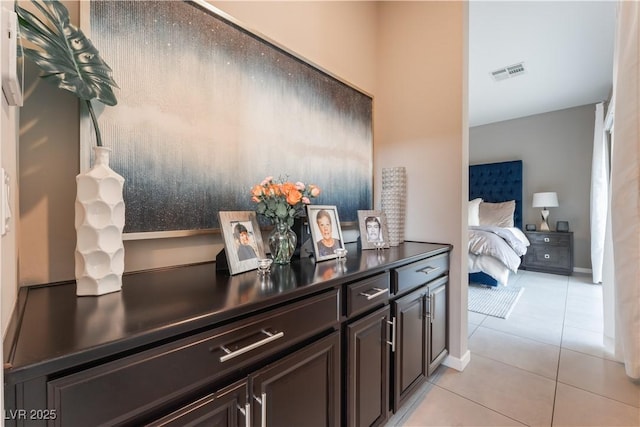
550	252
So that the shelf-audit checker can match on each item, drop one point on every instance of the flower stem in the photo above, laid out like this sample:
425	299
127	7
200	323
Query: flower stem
94	120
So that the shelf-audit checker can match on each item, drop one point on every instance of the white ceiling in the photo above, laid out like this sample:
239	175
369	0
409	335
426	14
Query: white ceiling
567	50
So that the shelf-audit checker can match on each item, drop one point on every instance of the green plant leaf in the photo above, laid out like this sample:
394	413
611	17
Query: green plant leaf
65	55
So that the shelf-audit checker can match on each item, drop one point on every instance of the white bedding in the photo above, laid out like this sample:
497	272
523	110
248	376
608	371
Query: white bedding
496	251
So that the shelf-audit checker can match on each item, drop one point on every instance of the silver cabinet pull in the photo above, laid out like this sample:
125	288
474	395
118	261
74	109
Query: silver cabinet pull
374	295
546	240
392	343
231	354
246	412
432	308
262	401
547	256
429	269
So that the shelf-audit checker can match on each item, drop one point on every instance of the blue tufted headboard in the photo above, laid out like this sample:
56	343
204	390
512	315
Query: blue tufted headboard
498	182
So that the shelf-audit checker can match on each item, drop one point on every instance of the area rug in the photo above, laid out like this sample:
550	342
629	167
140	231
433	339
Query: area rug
496	301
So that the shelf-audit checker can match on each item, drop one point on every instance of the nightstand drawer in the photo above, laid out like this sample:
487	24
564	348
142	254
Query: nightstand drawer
552	239
548	257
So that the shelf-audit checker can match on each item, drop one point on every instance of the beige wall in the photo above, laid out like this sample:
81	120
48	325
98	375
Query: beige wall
9	242
409	55
419	120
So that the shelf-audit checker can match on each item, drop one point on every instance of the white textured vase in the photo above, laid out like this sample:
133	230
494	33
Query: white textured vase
99	223
394	202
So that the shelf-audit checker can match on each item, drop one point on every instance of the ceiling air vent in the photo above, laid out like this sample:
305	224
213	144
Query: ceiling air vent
508	72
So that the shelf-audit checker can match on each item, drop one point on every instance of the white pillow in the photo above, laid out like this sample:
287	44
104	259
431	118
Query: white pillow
474	211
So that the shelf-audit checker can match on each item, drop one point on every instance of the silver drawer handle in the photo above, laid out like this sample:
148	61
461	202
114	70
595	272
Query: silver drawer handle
547	256
231	354
547	240
377	294
429	270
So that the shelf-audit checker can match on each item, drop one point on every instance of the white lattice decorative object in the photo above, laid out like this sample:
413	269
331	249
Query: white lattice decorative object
99	257
393	201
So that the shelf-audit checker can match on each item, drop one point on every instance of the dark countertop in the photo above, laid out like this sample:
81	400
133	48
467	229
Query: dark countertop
55	329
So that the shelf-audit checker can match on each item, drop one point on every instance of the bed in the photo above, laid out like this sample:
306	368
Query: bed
496	241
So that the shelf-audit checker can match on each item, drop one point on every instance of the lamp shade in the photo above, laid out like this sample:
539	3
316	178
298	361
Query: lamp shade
545	200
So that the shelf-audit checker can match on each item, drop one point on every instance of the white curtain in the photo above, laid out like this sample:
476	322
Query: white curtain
599	193
625	186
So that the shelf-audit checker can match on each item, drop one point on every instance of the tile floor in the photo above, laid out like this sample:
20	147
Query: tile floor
543	366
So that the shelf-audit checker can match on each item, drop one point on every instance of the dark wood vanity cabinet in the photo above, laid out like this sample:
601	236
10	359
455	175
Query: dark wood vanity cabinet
310	344
437	325
420	321
300	390
368	369
409	358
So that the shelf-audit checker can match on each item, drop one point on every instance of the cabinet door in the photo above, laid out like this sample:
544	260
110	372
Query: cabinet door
368	369
410	356
302	389
225	408
437	325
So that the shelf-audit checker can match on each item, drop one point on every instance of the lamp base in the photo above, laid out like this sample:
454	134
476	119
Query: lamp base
544	225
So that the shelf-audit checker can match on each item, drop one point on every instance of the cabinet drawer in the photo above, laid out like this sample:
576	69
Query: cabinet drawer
132	386
551	239
420	272
367	293
548	256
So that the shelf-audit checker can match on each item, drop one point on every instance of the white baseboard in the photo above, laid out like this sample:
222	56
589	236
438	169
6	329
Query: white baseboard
582	270
457	363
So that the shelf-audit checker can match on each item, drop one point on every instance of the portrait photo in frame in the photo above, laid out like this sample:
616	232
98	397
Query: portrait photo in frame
326	234
373	229
242	240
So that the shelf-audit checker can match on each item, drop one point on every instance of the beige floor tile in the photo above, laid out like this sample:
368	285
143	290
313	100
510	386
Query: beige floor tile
513	392
552	310
476	318
580	284
444	408
552	281
584	317
575	407
523	353
535	327
471	328
599	376
585	341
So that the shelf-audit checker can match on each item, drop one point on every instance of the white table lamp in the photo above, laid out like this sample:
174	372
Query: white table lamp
544	201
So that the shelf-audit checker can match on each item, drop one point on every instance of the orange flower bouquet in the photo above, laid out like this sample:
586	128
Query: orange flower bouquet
282	201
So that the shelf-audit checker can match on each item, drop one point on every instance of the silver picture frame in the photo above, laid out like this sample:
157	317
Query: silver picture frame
326	233
243	242
374	233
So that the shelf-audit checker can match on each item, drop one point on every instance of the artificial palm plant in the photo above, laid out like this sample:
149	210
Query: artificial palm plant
66	56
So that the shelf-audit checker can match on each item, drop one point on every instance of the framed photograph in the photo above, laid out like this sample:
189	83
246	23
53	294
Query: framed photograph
326	234
373	229
242	240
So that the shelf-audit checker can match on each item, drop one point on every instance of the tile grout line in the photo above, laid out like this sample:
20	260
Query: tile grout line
555	391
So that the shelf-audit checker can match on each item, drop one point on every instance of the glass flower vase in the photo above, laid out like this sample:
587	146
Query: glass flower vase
282	242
